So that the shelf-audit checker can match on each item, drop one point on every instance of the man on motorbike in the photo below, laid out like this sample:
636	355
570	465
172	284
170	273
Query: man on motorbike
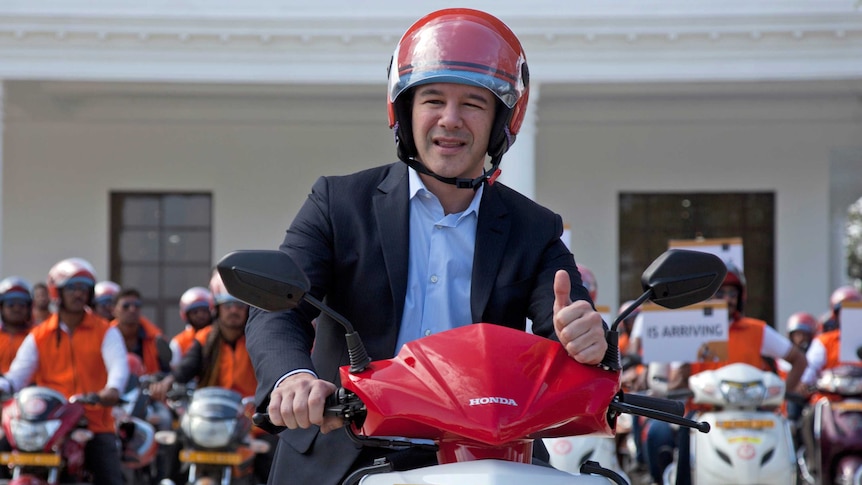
76	352
409	249
105	299
196	309
142	336
15	321
218	357
748	341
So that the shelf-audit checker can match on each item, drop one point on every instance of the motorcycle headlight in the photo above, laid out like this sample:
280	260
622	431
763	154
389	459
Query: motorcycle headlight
843	385
743	393
33	436
211	433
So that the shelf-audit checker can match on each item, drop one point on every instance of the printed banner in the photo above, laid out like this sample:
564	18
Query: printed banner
696	333
728	249
851	331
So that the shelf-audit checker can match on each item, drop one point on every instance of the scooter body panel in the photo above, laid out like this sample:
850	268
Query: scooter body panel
838	431
743	447
483	472
569	453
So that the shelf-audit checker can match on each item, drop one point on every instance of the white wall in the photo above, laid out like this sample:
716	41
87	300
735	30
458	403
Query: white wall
592	149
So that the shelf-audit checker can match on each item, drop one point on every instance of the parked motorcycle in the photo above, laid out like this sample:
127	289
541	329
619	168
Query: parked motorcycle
48	434
214	430
478	395
837	416
750	442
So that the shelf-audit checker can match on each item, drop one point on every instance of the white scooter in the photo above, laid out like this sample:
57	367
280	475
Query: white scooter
750	442
477	395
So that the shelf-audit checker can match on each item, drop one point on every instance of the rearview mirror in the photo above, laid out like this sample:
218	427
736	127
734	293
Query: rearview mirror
264	278
681	277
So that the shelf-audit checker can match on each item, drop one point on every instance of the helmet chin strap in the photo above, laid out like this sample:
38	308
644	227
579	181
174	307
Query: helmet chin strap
489	175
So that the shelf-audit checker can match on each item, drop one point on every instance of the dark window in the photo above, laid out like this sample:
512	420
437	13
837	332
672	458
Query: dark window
161	244
648	221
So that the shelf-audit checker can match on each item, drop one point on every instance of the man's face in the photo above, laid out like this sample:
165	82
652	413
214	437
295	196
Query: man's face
199	317
41	299
105	311
16	312
75	297
730	294
233	314
128	311
801	340
451	128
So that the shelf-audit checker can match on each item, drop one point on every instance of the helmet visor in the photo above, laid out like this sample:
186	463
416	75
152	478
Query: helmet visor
461	51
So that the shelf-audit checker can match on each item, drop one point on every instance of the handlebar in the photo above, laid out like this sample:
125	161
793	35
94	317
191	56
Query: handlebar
342	403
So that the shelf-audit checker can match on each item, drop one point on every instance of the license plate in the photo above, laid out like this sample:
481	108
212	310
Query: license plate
30	459
746	424
210	457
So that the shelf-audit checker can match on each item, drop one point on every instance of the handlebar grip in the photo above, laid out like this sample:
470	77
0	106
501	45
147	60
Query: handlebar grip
677	408
260	418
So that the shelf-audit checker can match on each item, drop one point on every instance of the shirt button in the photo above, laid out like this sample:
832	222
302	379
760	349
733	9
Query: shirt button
427	332
434	279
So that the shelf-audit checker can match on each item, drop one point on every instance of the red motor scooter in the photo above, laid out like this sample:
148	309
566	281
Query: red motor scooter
47	434
475	397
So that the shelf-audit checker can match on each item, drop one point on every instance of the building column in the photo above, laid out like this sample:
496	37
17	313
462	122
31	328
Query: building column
519	163
2	139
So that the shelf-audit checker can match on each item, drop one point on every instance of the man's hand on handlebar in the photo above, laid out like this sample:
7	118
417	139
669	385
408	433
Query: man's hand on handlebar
299	401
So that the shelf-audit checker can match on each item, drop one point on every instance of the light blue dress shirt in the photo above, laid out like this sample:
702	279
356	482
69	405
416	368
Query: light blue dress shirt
440	264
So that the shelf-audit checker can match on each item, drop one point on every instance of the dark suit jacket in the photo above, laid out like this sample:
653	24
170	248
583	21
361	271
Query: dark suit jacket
351	238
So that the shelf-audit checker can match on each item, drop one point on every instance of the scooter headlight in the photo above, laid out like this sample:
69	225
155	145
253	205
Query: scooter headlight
838	384
211	433
33	436
743	393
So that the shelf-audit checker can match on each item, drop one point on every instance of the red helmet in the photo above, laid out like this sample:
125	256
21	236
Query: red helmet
736	277
15	287
71	270
589	281
802	322
844	293
195	297
106	291
136	364
463	46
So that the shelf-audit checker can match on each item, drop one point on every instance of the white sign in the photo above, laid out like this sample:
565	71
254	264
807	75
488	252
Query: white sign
696	333
851	331
728	249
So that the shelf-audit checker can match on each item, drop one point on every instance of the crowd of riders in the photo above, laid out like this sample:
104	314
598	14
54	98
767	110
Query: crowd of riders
811	344
78	335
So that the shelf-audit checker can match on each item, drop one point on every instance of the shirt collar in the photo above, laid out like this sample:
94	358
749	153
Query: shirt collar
417	186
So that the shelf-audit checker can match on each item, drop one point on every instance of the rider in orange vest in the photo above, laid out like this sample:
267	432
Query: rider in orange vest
748	340
218	357
196	309
142	336
15	317
825	349
76	352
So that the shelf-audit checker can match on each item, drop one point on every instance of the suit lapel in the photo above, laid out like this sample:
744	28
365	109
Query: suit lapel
492	232
392	216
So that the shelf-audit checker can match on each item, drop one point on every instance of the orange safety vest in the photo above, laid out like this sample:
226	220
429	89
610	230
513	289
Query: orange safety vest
148	345
185	339
9	343
831	341
235	369
73	364
744	342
